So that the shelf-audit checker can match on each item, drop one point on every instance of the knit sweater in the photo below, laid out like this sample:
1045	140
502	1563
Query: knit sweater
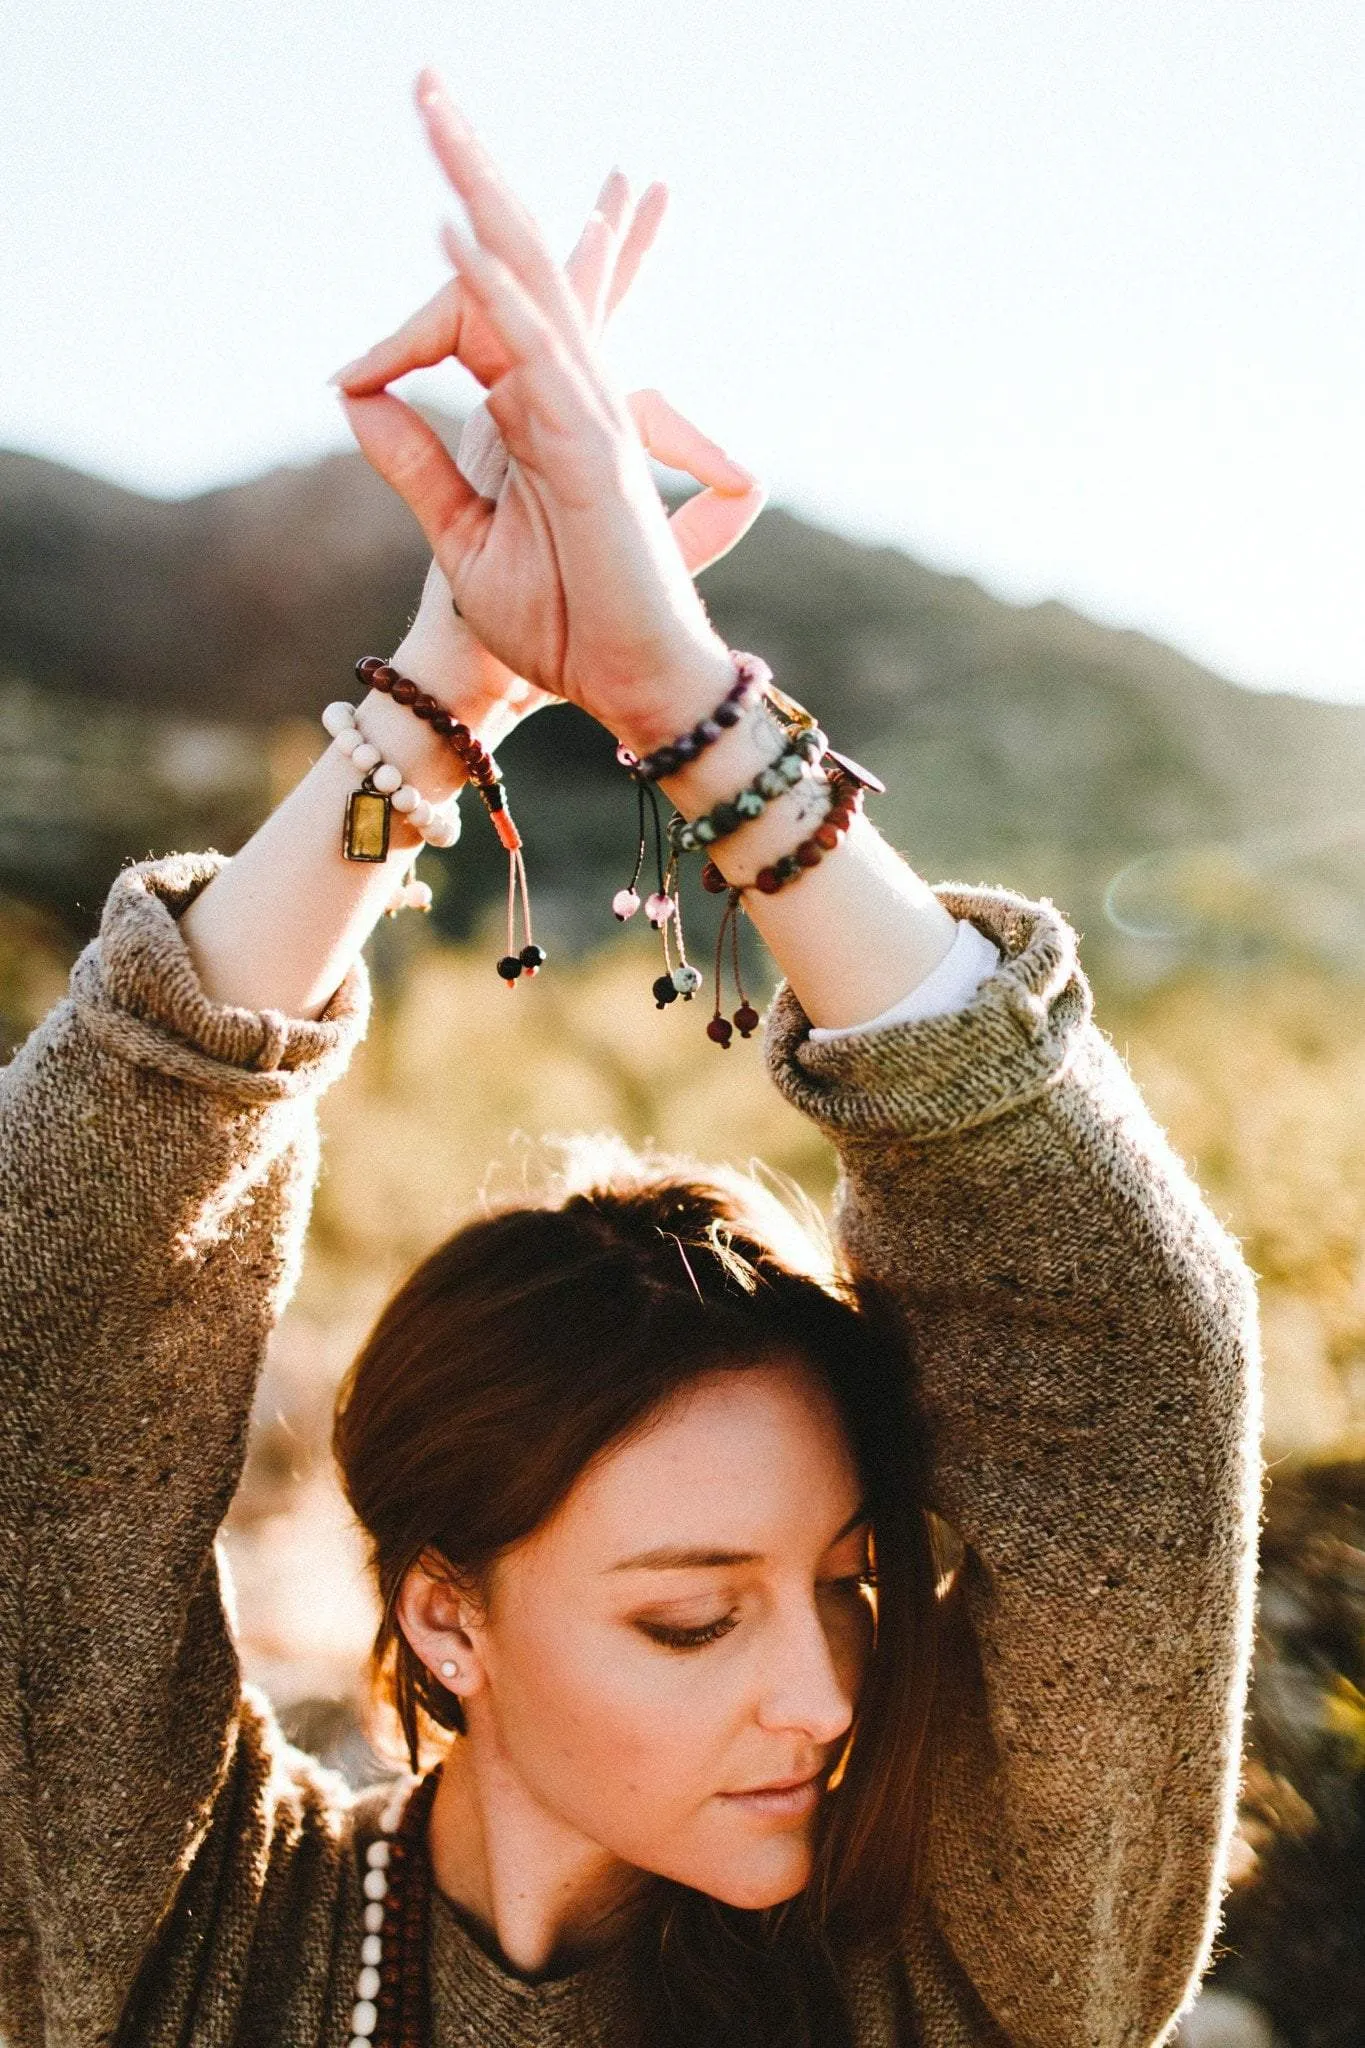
172	1872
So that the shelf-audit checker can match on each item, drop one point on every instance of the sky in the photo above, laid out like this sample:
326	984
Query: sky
1067	295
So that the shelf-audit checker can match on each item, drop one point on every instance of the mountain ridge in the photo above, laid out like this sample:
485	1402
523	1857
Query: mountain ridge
1022	743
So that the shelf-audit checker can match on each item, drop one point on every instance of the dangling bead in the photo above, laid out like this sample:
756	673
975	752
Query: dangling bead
747	1019
664	991
687	979
532	958
509	967
659	908
625	903
721	1031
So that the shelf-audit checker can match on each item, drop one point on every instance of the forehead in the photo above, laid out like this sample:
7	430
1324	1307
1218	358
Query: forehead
750	1460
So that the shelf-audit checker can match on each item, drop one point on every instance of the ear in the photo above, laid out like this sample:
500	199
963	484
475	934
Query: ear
442	1624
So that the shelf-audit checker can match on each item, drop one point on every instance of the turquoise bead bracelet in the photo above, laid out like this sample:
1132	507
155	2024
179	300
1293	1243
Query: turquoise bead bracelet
801	750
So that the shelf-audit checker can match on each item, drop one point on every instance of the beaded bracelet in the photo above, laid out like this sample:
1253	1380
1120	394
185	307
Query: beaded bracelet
485	774
752	677
365	835
482	769
846	798
801	750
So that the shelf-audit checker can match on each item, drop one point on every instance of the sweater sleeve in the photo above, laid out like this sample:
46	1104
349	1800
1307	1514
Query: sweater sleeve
157	1157
1085	1344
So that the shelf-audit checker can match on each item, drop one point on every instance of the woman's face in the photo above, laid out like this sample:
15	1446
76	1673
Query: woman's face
669	1665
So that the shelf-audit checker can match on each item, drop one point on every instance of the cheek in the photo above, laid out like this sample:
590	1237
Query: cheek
630	1750
600	1726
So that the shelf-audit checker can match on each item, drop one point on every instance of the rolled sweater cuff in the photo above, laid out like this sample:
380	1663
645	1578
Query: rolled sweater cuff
136	990
1013	1040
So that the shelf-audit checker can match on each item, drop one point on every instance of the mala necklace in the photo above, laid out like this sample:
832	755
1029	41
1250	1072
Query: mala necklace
392	2000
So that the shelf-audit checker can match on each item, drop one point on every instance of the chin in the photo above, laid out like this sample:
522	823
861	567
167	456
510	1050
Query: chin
754	1890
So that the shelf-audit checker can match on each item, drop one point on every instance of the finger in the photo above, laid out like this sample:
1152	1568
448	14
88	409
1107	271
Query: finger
401	448
544	391
588	266
500	221
638	240
447	325
613	201
521	323
708	526
673	440
434	331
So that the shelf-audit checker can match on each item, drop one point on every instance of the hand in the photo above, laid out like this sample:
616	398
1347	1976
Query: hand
439	650
572	575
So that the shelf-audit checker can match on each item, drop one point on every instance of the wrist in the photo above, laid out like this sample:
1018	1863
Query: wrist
425	759
676	700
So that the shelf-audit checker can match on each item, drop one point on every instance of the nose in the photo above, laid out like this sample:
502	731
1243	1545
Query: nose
807	1687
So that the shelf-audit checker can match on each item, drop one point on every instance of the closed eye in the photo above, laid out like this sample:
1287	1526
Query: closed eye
689	1638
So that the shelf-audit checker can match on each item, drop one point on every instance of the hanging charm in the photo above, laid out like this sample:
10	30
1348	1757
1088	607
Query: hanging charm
369	817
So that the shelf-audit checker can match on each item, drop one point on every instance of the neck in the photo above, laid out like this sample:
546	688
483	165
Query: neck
548	1896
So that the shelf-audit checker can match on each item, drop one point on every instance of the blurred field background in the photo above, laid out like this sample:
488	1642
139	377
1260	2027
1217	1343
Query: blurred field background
1011	306
1210	843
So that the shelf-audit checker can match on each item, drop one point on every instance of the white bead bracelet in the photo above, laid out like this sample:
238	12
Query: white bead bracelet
439	825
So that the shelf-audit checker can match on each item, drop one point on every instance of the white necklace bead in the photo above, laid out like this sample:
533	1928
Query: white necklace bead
378	1857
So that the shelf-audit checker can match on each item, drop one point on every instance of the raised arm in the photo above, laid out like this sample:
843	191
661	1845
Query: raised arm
157	1154
1085	1343
1084	1331
156	1163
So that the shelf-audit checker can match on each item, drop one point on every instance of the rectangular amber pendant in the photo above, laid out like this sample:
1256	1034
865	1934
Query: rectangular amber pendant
366	836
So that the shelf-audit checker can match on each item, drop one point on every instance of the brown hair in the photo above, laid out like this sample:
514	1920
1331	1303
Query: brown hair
525	1346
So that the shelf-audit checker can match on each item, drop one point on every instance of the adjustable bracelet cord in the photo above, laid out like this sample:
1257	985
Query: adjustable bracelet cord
531	957
721	1030
664	907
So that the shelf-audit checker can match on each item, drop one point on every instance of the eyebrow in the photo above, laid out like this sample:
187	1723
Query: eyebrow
666	1560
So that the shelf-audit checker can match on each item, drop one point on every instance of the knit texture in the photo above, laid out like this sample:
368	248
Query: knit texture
171	1872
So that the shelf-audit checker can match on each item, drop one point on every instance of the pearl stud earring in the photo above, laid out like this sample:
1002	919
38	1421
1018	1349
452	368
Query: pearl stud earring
449	1670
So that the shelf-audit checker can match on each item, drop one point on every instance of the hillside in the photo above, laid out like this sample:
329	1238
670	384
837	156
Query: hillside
145	644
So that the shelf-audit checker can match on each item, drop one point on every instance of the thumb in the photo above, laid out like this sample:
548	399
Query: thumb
410	456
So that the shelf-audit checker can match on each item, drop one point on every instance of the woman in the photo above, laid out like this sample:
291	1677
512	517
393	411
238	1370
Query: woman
628	1463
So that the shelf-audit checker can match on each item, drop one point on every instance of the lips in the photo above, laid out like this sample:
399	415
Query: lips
785	1797
778	1785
